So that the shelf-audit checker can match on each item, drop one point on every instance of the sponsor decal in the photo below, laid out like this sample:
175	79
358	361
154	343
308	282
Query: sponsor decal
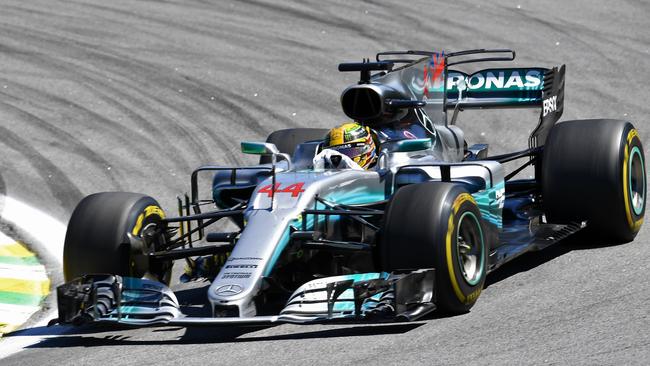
504	85
426	123
154	210
473	296
433	73
409	135
244	259
239	275
518	79
228	290
148	211
501	196
241	266
549	105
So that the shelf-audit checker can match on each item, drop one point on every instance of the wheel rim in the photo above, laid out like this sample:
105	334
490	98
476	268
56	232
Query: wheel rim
152	242
471	251
637	181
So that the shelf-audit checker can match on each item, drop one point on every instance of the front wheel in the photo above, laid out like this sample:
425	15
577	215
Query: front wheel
98	237
437	225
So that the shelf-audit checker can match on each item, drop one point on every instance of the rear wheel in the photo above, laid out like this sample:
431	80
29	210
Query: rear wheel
97	239
287	140
437	225
594	170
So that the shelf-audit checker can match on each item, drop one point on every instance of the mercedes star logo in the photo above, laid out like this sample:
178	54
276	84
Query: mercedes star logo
228	290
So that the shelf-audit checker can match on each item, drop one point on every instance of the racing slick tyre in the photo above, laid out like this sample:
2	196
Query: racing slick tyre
437	225
97	239
594	170
287	140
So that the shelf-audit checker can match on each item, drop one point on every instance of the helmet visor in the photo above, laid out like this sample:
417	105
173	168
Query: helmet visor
352	150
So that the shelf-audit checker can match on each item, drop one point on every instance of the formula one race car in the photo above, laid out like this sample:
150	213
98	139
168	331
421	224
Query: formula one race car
418	232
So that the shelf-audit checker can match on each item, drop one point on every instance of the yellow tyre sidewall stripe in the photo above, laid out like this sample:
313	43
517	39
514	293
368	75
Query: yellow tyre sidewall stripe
148	211
451	230
635	225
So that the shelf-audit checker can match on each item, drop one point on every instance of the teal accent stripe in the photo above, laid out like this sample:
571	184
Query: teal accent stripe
487	203
636	151
345	301
460	262
356	196
284	240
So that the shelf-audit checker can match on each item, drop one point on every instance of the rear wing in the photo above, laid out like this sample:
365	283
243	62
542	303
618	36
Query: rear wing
492	88
511	88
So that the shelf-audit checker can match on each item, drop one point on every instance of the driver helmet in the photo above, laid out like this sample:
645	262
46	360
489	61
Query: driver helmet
355	141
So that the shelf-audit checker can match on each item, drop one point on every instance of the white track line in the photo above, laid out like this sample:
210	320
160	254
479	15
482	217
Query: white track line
48	234
4	239
23	273
16	314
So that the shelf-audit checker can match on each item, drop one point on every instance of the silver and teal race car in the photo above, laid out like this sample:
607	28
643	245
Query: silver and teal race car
418	232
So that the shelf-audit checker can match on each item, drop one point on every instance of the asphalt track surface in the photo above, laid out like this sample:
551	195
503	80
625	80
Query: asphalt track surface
132	95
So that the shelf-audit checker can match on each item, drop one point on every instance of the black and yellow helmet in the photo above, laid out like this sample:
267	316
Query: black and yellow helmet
355	141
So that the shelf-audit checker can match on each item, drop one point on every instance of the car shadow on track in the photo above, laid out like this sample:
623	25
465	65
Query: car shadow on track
192	302
215	335
530	260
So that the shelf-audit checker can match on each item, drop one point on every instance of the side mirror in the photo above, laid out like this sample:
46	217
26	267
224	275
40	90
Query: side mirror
259	148
412	145
265	148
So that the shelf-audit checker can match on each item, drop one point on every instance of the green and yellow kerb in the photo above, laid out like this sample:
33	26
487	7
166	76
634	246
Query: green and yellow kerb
23	284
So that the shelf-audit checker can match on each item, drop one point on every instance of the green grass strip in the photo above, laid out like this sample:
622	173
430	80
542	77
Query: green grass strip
26	261
16	298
